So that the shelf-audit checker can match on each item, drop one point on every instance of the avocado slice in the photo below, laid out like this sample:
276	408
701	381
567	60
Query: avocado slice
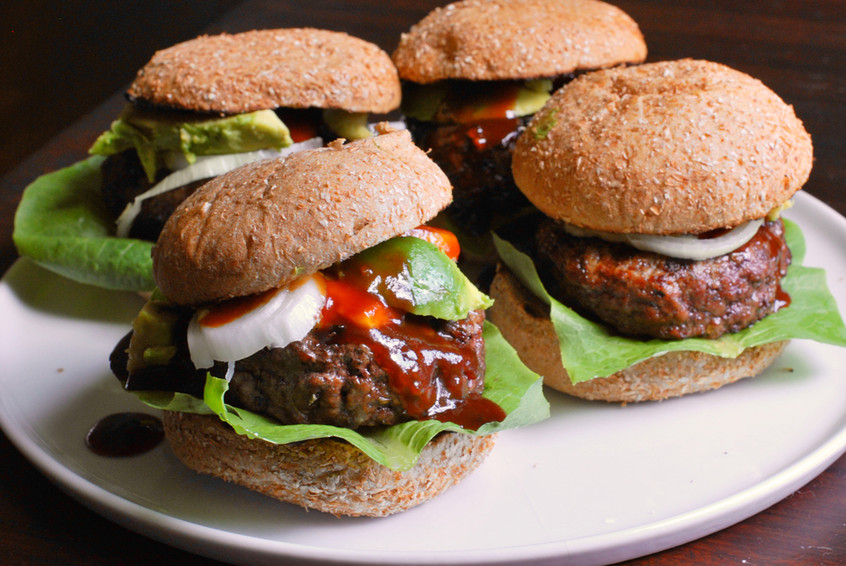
155	134
347	125
414	275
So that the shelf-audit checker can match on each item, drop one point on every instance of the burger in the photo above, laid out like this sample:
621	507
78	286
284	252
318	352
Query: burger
311	339
205	106
475	71
196	110
657	263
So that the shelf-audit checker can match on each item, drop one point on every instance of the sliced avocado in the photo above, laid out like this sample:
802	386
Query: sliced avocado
347	125
152	340
414	275
422	102
532	96
154	134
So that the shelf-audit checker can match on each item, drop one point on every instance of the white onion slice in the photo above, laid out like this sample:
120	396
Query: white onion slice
684	247
205	167
287	317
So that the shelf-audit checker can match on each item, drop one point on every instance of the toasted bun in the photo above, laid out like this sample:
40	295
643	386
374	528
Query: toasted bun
522	319
517	39
265	224
256	70
325	474
672	147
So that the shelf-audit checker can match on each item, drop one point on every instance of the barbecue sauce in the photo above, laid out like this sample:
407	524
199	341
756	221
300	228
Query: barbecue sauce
125	434
302	125
419	359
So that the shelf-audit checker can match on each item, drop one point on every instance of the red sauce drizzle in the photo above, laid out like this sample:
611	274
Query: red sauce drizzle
472	412
226	312
782	299
490	121
491	132
773	242
416	357
445	240
499	103
302	125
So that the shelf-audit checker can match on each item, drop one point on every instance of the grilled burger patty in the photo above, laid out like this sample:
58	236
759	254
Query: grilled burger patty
479	172
124	179
651	295
322	379
327	379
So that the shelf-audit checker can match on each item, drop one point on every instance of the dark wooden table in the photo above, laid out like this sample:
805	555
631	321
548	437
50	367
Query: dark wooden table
62	65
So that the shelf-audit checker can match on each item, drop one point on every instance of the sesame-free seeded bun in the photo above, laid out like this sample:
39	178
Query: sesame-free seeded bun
267	69
267	223
517	39
671	147
325	474
524	322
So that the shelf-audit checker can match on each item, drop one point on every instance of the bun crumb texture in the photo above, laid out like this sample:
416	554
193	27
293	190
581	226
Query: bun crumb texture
662	148
517	39
325	474
269	69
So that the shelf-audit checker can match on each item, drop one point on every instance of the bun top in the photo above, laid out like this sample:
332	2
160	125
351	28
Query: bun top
267	69
517	39
267	223
662	148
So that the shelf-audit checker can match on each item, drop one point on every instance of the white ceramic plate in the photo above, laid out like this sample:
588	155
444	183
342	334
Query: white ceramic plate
596	483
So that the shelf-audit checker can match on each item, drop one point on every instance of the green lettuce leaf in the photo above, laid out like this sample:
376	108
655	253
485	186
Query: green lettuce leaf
508	383
589	350
62	224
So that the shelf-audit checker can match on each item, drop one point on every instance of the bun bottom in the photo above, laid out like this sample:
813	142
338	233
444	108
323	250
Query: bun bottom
523	322
325	474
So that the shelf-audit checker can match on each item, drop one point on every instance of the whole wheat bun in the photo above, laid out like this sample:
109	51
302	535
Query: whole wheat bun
267	223
517	39
268	69
662	148
328	475
523	320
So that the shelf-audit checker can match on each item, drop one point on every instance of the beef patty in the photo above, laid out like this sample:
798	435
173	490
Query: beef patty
326	379
330	377
478	168
124	179
645	294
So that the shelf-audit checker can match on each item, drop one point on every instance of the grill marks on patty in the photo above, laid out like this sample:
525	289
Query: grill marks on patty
649	295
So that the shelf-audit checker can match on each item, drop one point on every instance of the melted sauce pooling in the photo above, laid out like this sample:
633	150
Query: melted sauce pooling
472	412
125	434
486	133
432	374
